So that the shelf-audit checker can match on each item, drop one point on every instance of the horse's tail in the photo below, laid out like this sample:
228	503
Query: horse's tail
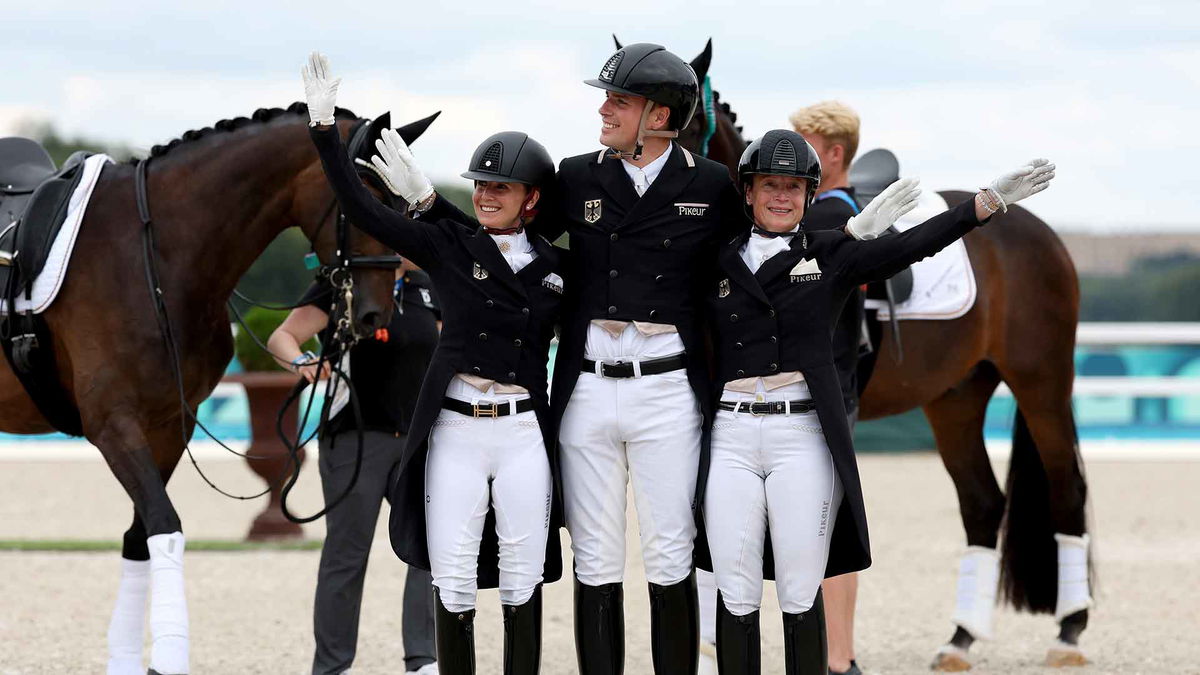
1029	559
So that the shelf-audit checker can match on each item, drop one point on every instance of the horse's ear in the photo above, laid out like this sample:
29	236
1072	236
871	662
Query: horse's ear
700	63
413	130
617	42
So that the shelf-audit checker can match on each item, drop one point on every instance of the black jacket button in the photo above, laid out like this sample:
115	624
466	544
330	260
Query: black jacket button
741	373
525	311
666	243
771	313
612	274
483	336
738	345
476	370
774	367
489	303
512	375
658	278
613	237
733	317
612	309
517	342
774	340
653	313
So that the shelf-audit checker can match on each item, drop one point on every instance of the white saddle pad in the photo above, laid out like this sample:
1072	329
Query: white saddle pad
943	284
46	285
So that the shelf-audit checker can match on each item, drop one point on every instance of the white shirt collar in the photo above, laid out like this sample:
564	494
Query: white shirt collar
651	170
519	251
759	249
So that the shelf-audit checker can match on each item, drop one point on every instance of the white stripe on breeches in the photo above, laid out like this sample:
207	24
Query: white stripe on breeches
471	462
645	429
777	470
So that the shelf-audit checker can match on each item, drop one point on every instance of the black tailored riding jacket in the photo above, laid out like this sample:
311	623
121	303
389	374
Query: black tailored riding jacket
497	324
781	319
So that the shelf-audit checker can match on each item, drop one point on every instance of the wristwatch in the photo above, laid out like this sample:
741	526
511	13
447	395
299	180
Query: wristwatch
305	359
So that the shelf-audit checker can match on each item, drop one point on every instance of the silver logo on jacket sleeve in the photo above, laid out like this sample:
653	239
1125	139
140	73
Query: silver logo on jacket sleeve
591	210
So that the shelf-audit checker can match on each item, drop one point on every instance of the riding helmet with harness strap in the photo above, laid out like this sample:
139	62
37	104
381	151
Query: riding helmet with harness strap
652	72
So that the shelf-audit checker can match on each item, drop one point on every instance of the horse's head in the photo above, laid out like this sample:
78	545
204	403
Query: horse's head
355	260
713	131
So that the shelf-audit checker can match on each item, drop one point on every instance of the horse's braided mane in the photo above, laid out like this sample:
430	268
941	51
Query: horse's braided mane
262	115
727	110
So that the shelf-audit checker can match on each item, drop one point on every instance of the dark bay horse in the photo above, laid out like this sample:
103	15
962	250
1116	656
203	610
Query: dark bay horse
1021	331
218	197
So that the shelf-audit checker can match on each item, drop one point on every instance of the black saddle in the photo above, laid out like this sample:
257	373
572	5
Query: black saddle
34	196
33	205
870	174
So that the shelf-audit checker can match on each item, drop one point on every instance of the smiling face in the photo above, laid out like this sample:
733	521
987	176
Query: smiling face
777	201
500	205
619	118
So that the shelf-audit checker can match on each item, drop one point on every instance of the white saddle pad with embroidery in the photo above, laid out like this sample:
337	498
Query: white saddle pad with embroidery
943	284
50	280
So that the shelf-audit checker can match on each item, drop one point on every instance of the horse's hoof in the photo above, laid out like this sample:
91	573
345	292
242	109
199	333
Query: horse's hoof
1063	655
950	659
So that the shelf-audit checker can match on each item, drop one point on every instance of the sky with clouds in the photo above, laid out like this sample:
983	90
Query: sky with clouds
1110	91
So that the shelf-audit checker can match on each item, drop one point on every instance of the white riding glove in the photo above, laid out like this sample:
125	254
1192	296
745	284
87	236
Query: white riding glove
1028	180
398	168
888	206
320	89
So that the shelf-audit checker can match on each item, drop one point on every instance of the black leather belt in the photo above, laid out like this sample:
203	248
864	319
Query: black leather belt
486	409
769	407
623	369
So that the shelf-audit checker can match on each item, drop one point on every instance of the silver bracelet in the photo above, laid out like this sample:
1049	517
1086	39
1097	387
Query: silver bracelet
992	201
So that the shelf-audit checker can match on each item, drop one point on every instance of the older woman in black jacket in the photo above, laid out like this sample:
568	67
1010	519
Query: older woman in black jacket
782	456
476	472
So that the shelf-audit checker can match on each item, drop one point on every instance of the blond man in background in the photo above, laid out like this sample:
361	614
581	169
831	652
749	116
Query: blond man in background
832	129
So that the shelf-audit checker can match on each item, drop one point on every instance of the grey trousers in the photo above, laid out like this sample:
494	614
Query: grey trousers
350	528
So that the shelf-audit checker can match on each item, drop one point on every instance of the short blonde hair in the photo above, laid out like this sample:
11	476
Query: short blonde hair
834	120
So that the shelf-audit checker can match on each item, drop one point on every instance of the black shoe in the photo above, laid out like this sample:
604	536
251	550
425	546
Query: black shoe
804	641
675	628
455	639
600	628
854	669
739	642
523	636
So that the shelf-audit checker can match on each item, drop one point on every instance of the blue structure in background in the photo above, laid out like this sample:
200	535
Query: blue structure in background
1114	417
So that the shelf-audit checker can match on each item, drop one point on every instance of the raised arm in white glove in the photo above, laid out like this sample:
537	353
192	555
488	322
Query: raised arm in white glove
398	168
888	206
1028	180
320	89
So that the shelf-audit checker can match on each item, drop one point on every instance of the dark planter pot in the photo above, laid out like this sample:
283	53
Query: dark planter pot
268	457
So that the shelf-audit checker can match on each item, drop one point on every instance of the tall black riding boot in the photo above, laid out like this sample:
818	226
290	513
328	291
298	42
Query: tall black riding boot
804	641
739	642
455	639
523	636
600	628
675	628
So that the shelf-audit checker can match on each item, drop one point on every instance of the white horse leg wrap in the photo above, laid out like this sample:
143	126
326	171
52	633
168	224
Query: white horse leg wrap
168	606
978	575
128	623
1074	591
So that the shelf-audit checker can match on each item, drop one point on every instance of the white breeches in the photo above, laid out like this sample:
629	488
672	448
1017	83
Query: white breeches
771	470
645	429
477	462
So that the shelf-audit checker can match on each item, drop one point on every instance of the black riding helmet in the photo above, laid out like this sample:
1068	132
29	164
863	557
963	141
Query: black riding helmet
781	152
650	71
511	157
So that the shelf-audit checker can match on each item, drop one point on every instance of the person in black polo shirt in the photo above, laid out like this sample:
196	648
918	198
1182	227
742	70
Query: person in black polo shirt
386	376
474	496
782	455
832	129
644	217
